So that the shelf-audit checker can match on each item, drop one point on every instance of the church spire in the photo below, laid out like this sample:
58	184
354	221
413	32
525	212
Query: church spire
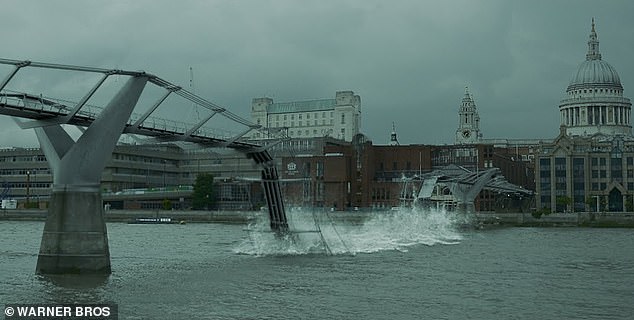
467	100
593	45
393	138
469	121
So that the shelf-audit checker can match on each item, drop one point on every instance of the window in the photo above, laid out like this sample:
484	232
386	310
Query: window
320	169
343	119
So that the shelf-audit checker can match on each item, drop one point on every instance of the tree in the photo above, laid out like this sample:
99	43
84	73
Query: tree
167	204
562	203
203	196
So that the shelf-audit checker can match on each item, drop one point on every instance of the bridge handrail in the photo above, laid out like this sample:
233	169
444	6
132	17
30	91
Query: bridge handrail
61	106
91	111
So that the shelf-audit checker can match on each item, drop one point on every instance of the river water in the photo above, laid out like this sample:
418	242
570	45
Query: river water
404	265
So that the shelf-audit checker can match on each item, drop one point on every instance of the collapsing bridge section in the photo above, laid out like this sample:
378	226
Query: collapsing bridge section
463	186
272	191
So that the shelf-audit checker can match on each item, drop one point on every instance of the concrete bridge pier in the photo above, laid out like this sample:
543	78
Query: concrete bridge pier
75	238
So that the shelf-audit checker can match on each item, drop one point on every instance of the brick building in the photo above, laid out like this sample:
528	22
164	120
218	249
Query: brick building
359	174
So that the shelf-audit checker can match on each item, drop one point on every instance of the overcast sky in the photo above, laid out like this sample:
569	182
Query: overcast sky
408	60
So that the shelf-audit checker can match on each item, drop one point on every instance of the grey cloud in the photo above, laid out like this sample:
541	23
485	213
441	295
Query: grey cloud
409	60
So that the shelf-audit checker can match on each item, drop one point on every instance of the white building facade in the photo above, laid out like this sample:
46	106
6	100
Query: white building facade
339	118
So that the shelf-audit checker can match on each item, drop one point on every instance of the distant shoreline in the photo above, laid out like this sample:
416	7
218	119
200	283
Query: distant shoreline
232	217
482	219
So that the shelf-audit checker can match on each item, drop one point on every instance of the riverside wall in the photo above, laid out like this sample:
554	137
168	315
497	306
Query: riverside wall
237	217
575	219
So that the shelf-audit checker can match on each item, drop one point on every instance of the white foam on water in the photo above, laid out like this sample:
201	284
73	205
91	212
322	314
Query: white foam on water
318	232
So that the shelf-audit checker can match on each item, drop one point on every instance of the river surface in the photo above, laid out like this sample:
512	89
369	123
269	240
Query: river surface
404	265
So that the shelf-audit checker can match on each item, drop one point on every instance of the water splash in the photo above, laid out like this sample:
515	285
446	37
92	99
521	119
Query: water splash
330	233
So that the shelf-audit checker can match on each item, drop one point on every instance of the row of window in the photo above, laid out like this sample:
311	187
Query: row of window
144	159
296	145
578	175
580	91
32	158
381	194
300	123
298	133
307	115
23	172
560	163
304	133
23	185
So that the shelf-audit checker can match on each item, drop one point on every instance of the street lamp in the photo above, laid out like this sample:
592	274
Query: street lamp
164	163
164	195
28	178
597	203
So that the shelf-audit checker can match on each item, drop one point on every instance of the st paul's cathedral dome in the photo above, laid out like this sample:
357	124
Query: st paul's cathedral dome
594	101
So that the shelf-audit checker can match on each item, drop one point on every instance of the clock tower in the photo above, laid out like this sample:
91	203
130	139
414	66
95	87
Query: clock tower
469	121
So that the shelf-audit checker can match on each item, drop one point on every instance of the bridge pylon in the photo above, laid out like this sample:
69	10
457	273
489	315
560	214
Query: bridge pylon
75	239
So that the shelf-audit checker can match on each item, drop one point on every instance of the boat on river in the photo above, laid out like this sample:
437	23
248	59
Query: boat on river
156	220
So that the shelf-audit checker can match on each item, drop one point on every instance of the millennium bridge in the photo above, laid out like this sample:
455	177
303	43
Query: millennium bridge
75	238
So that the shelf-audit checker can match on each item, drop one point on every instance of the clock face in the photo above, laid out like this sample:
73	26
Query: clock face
466	133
